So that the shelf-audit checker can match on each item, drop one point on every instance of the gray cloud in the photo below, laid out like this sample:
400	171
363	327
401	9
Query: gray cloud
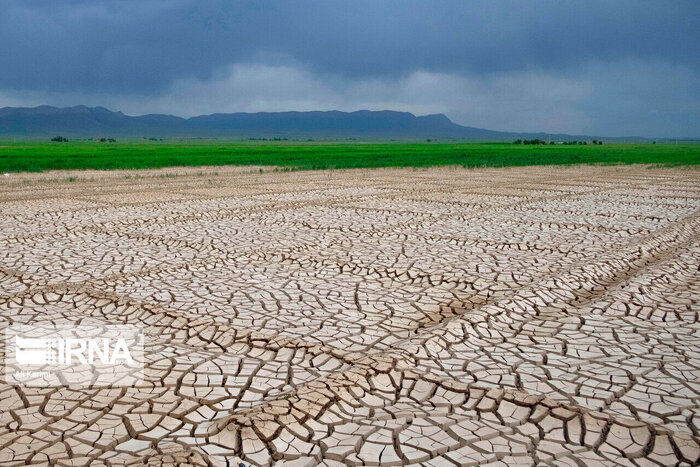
597	66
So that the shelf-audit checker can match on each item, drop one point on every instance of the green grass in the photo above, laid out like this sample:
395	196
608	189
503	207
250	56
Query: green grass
34	157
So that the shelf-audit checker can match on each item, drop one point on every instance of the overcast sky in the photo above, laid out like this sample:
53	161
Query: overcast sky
608	67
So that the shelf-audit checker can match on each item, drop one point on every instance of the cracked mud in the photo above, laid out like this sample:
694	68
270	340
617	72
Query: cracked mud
444	317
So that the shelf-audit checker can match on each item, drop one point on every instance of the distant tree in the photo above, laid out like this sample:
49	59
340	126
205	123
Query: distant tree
518	141
534	141
59	139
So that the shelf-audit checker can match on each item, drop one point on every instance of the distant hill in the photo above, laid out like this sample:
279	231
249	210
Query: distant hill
95	122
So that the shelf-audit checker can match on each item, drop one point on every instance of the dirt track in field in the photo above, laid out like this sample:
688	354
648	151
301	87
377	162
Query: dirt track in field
440	316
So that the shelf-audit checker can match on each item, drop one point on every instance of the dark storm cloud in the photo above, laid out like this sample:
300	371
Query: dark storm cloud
140	48
144	45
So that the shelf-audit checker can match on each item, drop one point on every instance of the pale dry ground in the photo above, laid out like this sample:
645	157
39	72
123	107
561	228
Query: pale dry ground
445	316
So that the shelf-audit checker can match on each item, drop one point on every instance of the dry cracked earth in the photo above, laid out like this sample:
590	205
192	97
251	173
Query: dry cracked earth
529	316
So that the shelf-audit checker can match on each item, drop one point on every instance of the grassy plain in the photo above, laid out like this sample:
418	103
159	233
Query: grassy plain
35	157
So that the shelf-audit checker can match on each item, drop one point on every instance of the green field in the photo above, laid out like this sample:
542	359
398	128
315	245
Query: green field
34	157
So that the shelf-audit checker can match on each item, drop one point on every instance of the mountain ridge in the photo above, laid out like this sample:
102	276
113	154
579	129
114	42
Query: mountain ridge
83	122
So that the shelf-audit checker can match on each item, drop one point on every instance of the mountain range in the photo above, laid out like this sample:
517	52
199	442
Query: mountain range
95	122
